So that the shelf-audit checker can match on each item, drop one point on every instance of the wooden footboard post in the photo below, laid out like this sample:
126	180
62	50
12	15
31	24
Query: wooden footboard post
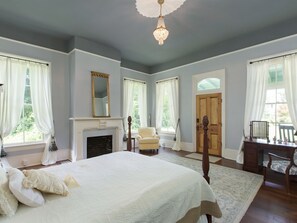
205	158
129	145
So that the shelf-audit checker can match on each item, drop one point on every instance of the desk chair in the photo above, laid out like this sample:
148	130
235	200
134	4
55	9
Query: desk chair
283	165
286	131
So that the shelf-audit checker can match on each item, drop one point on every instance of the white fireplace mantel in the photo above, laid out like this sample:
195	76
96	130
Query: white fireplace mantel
81	124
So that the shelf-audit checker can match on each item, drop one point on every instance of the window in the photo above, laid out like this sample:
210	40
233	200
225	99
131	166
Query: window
276	110
135	104
209	84
26	131
167	107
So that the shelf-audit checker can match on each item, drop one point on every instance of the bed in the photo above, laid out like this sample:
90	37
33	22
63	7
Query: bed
124	187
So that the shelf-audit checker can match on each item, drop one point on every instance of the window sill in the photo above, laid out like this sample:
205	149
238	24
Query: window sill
166	133
19	147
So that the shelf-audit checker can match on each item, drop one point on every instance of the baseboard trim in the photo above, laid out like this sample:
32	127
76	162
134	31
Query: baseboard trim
229	154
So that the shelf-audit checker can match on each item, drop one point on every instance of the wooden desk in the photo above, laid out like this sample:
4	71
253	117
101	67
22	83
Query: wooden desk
254	153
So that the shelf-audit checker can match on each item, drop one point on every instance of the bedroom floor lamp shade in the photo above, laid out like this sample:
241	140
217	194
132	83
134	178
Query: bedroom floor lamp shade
161	33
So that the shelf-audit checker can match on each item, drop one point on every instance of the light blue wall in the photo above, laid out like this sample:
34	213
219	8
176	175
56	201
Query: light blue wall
235	64
71	83
60	82
81	97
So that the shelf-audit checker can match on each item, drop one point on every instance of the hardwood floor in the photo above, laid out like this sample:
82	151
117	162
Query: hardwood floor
271	204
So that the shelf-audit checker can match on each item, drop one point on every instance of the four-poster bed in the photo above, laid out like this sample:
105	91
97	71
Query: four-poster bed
205	156
125	187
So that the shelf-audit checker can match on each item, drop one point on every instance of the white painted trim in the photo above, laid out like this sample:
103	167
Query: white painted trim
64	154
33	159
196	79
125	68
230	154
32	45
93	54
225	54
187	146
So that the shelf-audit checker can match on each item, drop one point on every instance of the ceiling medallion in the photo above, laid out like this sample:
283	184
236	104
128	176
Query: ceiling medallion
149	8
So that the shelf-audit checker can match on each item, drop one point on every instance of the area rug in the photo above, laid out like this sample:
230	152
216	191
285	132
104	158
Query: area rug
234	189
198	156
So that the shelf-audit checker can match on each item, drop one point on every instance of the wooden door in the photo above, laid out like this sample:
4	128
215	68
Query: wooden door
210	105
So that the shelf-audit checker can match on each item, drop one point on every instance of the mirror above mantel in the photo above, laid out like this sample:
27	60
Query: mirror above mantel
100	94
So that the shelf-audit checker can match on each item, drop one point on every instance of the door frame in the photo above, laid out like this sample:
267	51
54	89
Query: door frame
220	74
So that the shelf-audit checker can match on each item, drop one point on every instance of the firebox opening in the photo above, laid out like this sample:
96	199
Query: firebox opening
99	145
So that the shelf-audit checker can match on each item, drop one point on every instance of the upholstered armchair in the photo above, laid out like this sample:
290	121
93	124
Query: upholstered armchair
284	165
148	139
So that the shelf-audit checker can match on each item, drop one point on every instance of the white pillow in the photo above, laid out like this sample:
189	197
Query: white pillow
45	182
27	196
8	203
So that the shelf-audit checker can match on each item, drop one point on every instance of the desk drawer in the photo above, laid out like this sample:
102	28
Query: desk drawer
251	158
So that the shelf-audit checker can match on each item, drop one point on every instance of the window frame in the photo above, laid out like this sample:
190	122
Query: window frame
162	131
24	142
135	130
276	85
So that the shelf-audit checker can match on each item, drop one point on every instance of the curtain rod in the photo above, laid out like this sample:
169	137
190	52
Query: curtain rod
143	82
168	79
24	59
288	54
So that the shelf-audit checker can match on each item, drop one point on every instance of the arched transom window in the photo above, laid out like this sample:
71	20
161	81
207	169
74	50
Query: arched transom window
209	84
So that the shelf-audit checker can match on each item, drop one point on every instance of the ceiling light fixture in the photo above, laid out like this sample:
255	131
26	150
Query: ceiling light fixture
161	33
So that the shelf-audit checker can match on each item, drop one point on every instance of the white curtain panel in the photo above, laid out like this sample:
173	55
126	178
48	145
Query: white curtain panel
128	93
13	76
257	76
131	87
290	79
42	106
142	101
160	91
173	91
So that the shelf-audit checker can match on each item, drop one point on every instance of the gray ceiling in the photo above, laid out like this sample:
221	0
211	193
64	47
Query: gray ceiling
198	29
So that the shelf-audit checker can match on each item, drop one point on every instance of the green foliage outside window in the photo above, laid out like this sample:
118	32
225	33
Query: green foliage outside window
167	125
135	113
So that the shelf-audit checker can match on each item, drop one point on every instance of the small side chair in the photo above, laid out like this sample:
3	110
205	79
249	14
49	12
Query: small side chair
283	165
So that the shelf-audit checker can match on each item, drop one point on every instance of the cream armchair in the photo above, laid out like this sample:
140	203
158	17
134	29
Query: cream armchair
147	139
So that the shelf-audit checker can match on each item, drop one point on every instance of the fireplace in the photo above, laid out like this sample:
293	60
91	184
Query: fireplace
99	145
83	127
97	142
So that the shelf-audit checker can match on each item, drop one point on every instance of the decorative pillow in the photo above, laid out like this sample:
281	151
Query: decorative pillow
44	181
8	203
70	181
27	196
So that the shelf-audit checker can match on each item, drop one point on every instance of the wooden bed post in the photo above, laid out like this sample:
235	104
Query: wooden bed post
129	145
205	159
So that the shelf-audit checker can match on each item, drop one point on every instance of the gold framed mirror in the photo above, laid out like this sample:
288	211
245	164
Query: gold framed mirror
100	94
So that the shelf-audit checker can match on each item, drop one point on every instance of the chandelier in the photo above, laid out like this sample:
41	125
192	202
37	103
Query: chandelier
161	33
150	9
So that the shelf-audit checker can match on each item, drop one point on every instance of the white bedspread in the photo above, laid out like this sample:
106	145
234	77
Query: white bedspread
122	187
